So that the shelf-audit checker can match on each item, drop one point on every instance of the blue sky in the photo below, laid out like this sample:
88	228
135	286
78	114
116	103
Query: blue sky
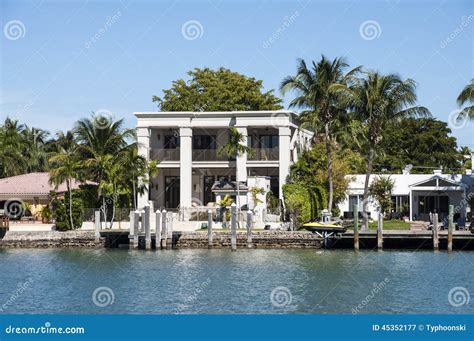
67	59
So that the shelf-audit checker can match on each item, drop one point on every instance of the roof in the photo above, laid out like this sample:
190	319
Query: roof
403	182
36	184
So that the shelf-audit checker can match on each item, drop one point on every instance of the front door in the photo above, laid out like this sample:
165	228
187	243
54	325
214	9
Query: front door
171	191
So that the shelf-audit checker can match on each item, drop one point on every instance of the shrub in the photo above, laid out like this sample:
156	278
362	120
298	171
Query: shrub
60	212
297	202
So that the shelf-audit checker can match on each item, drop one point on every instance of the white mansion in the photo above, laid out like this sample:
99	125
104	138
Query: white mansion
187	143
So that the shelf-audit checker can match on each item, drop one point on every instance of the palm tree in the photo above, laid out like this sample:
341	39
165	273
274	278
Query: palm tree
234	148
136	166
64	169
35	142
97	142
12	144
378	100
314	88
467	96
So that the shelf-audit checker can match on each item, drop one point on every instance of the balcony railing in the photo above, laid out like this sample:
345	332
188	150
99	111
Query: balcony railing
165	154
208	155
264	154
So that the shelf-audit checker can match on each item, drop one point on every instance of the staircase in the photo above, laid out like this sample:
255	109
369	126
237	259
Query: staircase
419	225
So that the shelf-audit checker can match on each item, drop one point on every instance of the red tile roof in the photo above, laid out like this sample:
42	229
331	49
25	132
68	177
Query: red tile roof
31	184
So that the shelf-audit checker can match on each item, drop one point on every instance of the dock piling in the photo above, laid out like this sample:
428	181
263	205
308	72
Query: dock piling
450	228
164	228
435	232
169	231
146	222
136	222
131	229
380	232
249	228
209	228
158	222
97	226
355	210
233	227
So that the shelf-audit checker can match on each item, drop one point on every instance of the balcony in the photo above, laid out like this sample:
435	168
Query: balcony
208	155
165	154
264	154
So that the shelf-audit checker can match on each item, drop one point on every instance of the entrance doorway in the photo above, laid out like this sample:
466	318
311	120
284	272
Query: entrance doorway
171	191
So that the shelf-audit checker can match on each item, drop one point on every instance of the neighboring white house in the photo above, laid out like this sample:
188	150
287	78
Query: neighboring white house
186	145
417	195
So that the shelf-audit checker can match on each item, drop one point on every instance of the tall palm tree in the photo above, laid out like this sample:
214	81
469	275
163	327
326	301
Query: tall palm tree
314	88
378	100
467	96
12	145
136	166
64	169
234	148
35	143
97	141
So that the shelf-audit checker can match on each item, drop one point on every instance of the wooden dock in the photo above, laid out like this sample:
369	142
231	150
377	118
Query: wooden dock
405	239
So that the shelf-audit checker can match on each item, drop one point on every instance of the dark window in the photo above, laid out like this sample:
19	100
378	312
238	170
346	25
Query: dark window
171	142
204	142
268	141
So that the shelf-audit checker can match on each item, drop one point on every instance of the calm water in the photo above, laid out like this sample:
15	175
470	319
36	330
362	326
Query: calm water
220	281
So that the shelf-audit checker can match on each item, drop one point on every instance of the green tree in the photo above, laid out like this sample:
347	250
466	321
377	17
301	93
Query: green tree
315	93
310	170
381	189
12	144
35	141
421	142
467	97
217	90
136	166
378	100
64	169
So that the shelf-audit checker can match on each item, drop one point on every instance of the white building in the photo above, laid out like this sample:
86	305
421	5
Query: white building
417	195
186	145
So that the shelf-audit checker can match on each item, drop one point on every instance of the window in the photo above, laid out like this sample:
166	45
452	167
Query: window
356	200
171	142
267	141
204	142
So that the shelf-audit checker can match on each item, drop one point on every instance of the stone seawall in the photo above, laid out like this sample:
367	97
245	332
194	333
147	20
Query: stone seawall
260	240
47	239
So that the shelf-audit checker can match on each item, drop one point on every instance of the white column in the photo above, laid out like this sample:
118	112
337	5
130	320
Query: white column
284	156
143	139
185	168
411	205
241	161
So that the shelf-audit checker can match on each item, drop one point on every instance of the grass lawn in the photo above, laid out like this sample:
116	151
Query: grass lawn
391	225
